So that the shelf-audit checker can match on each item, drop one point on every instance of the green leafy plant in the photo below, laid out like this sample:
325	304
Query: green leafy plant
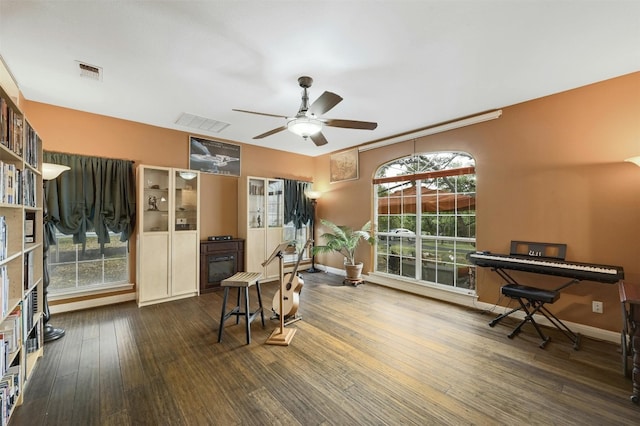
344	240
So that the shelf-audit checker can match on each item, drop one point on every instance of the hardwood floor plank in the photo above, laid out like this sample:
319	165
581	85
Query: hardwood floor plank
110	381
131	369
87	397
61	404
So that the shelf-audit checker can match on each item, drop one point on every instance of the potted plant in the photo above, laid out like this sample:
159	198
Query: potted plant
345	240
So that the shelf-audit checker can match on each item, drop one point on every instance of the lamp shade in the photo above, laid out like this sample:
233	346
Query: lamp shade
313	195
51	171
304	126
187	175
634	160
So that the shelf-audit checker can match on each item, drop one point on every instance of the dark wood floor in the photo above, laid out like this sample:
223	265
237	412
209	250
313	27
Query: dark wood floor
361	355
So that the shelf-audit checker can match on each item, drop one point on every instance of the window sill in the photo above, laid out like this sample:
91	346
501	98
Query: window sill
70	294
464	297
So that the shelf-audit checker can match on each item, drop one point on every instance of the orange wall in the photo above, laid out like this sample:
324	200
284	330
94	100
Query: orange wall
66	130
548	170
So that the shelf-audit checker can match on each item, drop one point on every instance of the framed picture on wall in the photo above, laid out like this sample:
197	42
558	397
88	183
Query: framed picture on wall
344	166
214	157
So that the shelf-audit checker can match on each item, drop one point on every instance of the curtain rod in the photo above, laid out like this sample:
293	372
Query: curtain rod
304	181
80	155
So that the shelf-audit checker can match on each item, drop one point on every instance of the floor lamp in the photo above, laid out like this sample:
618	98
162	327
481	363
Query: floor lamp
313	196
49	172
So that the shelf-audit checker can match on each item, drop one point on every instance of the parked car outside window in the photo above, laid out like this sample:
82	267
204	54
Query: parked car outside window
403	232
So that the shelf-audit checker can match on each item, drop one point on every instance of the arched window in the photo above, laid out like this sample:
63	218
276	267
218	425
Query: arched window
426	218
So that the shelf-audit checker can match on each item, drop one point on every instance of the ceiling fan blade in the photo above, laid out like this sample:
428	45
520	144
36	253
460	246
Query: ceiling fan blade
350	124
270	132
324	103
259	113
318	139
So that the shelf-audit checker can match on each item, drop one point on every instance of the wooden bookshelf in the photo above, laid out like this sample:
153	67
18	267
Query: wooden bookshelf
21	245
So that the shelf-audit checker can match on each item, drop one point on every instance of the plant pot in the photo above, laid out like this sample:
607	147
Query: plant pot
353	271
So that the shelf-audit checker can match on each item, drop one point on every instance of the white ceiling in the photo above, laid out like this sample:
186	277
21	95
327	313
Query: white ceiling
403	64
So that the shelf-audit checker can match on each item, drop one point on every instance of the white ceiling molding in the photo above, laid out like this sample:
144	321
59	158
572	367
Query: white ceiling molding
492	115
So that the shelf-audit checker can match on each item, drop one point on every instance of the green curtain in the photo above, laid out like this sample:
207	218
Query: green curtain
297	207
96	194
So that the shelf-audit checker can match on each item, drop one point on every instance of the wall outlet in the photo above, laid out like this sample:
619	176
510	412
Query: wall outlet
597	307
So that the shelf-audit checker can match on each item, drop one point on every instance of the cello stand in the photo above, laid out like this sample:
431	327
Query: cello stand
281	336
287	319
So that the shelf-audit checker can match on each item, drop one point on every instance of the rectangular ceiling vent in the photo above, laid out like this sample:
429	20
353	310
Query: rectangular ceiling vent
201	123
90	71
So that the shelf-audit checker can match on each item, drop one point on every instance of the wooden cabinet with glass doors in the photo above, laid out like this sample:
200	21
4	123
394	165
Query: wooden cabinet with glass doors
168	237
260	223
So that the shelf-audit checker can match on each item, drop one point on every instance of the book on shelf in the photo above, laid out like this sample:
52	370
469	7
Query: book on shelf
11	333
4	122
29	227
10	183
4	285
31	146
9	391
29	270
4	241
28	312
12	124
28	192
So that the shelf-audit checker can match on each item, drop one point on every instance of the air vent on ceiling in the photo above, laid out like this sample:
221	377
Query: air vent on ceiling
201	123
90	71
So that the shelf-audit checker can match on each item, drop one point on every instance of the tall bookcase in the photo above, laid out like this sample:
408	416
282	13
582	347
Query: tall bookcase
21	245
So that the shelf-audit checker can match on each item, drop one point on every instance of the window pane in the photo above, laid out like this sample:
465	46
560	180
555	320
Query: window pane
61	276
89	273
429	271
92	249
430	225
116	270
290	233
381	263
466	226
466	203
445	273
409	267
446	226
63	251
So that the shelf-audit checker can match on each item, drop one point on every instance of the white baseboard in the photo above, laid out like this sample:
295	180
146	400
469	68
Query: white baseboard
91	303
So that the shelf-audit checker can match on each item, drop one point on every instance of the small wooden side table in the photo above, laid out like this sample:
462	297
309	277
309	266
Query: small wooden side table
630	341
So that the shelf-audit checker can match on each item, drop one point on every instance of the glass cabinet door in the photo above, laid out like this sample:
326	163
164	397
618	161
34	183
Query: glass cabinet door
186	200
156	196
256	212
275	203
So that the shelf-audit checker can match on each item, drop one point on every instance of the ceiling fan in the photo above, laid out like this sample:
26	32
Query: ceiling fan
307	123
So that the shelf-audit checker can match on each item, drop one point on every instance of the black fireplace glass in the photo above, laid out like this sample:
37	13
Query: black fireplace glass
221	267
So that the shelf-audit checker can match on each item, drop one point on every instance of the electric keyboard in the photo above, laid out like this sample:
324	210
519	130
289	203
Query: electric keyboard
549	266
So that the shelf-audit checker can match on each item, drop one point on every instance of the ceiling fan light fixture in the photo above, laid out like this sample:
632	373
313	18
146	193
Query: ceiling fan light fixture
304	126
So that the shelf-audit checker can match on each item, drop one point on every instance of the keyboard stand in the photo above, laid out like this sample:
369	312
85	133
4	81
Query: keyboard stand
532	301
